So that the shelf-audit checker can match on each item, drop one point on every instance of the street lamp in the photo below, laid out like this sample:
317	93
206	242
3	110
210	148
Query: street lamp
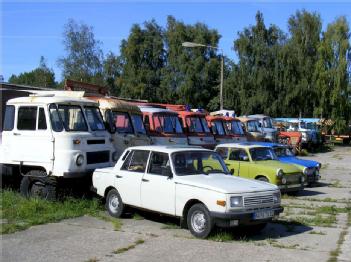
191	44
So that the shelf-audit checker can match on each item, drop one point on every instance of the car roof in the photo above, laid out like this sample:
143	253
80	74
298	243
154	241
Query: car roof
149	109
169	149
241	145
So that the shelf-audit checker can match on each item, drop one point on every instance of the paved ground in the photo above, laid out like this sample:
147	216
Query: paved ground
303	233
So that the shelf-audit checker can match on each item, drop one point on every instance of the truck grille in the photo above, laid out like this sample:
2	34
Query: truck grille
98	157
252	201
96	141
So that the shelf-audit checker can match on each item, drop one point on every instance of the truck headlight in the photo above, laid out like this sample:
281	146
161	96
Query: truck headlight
280	173
79	160
114	156
236	201
276	198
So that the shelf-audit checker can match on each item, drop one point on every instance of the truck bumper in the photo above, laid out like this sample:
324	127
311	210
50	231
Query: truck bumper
233	219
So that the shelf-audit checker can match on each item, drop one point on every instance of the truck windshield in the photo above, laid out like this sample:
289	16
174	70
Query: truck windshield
198	163
94	118
138	124
218	127
69	117
252	126
122	122
196	125
235	128
167	123
262	153
267	123
283	151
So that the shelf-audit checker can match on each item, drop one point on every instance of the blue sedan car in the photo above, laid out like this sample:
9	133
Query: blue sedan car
309	167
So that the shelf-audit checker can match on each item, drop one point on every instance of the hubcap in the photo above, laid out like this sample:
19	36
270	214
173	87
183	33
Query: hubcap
38	190
114	204
198	221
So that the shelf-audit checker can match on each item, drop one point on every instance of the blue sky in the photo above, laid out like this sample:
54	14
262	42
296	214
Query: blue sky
30	29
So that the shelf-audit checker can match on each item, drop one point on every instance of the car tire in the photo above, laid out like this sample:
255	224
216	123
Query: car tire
199	220
114	204
36	184
263	178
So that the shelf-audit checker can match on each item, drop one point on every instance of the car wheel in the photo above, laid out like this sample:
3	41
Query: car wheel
114	204
262	178
199	221
36	184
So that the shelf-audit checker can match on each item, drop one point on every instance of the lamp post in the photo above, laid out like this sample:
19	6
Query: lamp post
191	44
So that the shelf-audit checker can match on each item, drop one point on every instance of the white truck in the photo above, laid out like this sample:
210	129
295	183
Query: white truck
191	183
47	137
266	123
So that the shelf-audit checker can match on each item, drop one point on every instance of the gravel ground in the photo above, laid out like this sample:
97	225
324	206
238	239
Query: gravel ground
296	236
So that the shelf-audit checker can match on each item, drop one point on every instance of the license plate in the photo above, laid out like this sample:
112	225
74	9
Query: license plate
263	214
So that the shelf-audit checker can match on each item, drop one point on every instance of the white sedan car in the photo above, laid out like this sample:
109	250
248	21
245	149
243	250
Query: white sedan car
187	182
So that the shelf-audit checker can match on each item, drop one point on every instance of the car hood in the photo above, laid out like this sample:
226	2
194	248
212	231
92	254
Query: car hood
225	183
275	164
299	161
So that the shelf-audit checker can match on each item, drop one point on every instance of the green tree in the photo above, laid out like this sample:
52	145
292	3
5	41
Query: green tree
333	74
42	76
112	71
83	59
143	57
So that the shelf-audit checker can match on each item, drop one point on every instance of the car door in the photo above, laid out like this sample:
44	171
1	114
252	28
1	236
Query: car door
233	161
128	178
157	186
240	159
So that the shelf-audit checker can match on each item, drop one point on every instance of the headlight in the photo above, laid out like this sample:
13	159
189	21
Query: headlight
80	160
114	156
283	180
276	198
319	166
280	173
236	201
305	171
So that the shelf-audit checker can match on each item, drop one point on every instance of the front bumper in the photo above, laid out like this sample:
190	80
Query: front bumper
313	178
291	187
237	218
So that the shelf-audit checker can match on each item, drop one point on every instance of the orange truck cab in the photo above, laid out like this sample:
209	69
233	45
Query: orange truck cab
218	124
195	126
162	125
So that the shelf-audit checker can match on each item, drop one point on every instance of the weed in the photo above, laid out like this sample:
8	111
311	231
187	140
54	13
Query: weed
317	233
137	216
333	255
221	237
170	226
117	224
132	246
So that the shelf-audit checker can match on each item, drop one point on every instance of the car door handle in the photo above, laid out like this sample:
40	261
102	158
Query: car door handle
145	180
118	176
16	134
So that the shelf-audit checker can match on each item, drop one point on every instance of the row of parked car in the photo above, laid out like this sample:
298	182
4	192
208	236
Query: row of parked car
173	160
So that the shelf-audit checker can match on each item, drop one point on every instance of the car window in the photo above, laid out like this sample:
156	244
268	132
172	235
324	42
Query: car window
41	119
223	152
27	118
238	155
159	162
9	118
136	161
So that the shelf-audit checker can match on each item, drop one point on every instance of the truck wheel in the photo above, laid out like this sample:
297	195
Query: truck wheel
32	185
199	221
114	204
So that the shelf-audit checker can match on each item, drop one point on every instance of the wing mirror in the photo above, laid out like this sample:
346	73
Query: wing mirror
111	128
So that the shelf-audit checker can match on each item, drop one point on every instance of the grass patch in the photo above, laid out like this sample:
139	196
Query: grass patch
117	224
137	216
132	246
221	237
20	213
333	255
170	226
317	233
336	184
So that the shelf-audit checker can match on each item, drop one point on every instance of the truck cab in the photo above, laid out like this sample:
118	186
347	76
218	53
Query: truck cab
163	126
49	137
125	121
219	129
252	129
266	123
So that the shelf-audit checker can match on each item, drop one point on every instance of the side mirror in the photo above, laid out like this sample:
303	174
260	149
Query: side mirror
166	171
110	128
245	158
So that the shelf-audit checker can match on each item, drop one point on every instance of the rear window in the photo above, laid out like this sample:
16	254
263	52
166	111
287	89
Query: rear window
9	119
27	118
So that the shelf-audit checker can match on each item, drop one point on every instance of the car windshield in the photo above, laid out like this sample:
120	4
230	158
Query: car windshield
198	163
252	126
94	118
69	117
197	124
283	151
267	122
138	124
218	127
122	122
235	128
262	153
167	123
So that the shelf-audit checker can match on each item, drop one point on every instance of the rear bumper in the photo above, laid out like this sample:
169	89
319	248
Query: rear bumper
241	218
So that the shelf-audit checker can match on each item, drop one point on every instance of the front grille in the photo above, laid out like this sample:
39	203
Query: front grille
293	178
251	201
98	157
310	171
96	141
